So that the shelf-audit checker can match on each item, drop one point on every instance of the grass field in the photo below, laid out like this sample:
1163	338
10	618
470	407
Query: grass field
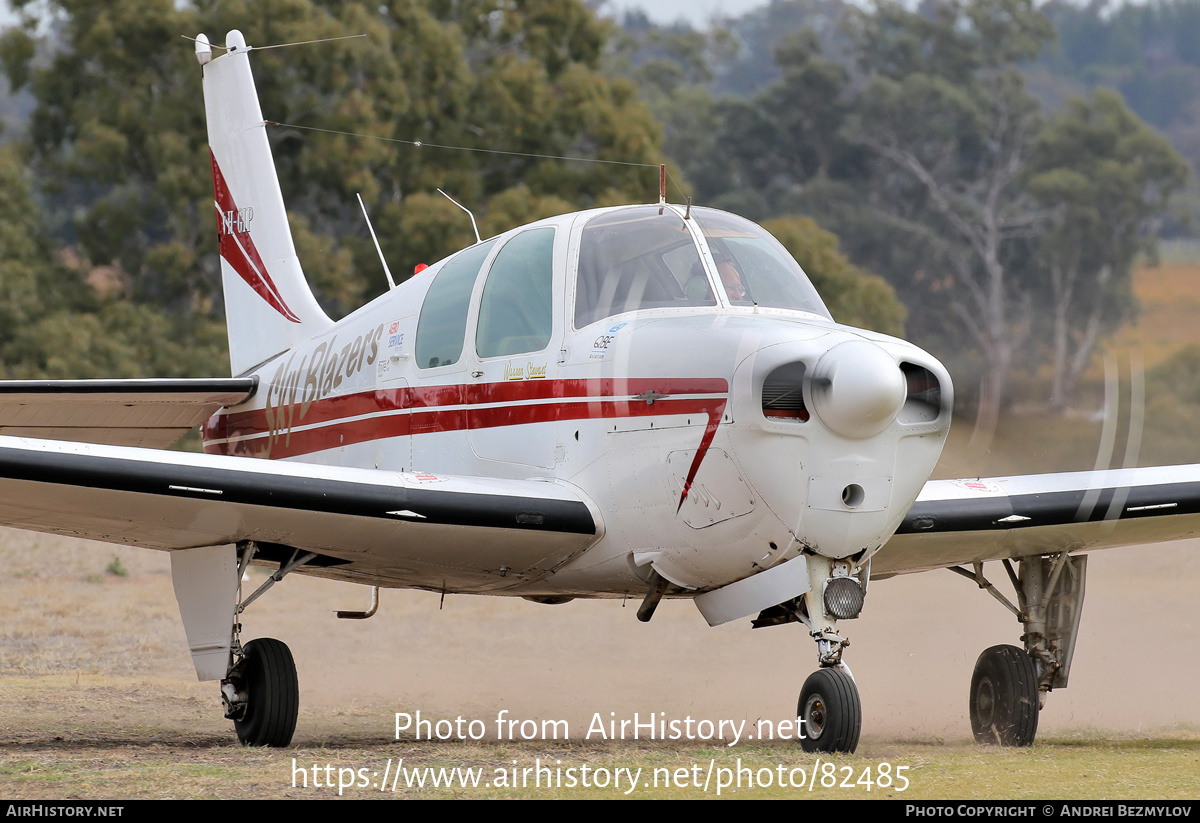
1064	769
1170	298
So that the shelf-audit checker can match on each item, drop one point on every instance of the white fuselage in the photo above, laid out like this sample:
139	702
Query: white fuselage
655	416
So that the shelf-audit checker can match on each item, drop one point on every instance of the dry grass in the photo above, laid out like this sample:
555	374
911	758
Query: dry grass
1170	298
151	768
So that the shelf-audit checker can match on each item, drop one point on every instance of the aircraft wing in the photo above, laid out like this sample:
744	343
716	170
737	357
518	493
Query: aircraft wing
955	522
149	413
365	525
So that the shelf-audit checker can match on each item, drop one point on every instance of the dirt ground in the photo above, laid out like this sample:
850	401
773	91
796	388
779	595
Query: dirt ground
70	629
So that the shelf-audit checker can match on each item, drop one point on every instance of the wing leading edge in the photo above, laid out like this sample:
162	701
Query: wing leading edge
150	413
366	525
957	522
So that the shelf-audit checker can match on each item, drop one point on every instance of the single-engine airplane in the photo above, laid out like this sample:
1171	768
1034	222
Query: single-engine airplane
648	400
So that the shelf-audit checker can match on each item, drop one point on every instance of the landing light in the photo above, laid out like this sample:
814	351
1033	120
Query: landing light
844	597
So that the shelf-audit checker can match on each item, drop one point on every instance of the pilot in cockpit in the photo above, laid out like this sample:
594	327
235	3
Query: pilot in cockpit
732	281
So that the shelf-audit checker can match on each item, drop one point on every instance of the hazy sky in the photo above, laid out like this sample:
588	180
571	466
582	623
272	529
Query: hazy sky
696	12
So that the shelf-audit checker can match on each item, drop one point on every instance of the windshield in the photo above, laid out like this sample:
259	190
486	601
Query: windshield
635	259
755	268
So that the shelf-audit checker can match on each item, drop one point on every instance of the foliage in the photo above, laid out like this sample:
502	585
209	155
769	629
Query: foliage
1172	391
116	568
852	296
1105	178
119	147
948	118
1147	52
912	134
120	339
950	39
31	282
54	323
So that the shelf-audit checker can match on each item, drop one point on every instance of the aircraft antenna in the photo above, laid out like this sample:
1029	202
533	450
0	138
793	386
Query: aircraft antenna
370	228
662	184
202	42
464	208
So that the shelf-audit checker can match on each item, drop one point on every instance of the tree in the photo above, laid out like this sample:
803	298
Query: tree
957	40
1103	176
56	320
32	283
947	115
120	143
853	296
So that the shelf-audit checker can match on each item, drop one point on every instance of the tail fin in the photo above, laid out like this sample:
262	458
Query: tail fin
269	307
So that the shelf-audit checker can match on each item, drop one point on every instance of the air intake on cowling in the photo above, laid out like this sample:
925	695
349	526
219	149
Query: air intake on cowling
923	401
783	393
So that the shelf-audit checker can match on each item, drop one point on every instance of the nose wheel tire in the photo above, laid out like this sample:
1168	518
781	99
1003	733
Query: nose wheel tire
272	695
831	712
1004	697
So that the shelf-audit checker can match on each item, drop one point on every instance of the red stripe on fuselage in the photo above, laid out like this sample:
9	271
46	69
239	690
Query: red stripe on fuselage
422	410
332	409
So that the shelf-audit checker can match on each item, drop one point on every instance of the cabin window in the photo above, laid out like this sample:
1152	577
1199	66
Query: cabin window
638	259
755	268
516	314
442	326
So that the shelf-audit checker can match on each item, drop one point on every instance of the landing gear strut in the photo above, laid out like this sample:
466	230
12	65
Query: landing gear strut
260	690
829	709
1010	685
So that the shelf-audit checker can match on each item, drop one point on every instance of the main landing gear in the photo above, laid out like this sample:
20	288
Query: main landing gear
260	691
261	694
1004	697
1010	685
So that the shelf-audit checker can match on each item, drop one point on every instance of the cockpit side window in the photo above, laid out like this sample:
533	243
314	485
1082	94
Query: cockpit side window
517	311
755	269
638	259
442	327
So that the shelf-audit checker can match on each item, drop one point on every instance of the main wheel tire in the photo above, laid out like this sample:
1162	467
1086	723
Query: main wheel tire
272	695
831	712
1004	697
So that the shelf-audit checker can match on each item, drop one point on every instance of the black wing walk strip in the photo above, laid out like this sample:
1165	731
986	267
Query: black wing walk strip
220	484
1051	508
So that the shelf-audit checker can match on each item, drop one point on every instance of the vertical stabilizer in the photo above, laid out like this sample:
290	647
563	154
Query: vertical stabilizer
269	307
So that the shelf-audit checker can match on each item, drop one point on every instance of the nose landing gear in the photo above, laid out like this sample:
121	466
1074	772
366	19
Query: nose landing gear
831	712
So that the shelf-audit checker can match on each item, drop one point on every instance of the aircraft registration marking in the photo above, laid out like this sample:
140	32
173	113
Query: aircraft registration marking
237	247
